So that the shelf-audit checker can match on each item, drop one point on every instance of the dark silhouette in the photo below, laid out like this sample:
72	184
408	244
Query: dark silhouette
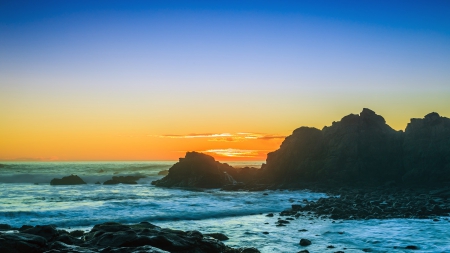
124	180
359	150
69	180
363	149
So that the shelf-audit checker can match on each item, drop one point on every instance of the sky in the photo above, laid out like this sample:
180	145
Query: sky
150	80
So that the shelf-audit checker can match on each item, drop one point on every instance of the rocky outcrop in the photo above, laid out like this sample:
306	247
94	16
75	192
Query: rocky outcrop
124	180
362	149
198	170
114	237
69	180
375	203
426	150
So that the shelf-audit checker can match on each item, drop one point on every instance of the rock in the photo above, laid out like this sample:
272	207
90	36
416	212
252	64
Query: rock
60	247
426	150
303	251
19	242
413	247
123	180
198	170
360	150
163	172
77	233
218	236
24	227
305	242
47	231
5	227
69	180
114	237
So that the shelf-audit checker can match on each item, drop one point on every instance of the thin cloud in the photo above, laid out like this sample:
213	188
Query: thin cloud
226	137
232	152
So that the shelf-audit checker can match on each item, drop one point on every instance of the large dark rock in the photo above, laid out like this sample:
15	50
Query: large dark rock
199	171
47	231
69	180
359	148
363	150
426	150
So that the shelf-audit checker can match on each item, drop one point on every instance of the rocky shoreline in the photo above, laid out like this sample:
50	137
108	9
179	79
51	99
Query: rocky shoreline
375	203
113	237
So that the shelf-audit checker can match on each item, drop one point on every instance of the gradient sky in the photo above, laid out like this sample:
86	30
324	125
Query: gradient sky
149	80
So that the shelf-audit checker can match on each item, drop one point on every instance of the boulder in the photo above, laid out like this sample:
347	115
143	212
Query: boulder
123	180
305	242
197	170
69	180
19	242
48	232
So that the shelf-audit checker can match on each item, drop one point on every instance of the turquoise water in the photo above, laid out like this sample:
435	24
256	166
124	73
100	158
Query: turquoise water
27	198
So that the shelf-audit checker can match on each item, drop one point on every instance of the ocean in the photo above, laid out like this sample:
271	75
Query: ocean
27	198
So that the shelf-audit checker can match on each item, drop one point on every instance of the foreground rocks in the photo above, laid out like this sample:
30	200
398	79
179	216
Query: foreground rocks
376	203
69	180
114	237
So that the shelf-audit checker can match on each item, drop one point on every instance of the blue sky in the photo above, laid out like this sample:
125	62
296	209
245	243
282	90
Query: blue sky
219	66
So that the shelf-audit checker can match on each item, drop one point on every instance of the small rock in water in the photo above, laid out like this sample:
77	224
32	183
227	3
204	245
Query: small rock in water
303	251
266	233
218	236
302	230
69	180
270	215
305	242
330	247
411	247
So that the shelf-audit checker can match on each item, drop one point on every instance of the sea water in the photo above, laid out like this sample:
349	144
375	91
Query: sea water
27	198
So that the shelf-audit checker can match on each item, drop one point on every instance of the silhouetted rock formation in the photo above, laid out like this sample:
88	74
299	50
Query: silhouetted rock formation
124	180
362	149
69	180
426	150
112	237
197	170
